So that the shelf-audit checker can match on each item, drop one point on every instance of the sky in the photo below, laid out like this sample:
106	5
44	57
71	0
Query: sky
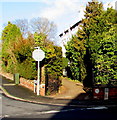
63	13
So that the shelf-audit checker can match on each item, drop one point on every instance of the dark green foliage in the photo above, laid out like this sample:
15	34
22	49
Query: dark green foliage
105	63
27	69
102	45
65	62
93	51
75	53
55	64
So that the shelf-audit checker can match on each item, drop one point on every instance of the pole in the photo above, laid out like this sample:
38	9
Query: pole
38	55
38	79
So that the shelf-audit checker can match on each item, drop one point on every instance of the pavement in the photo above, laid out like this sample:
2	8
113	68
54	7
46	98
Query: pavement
75	96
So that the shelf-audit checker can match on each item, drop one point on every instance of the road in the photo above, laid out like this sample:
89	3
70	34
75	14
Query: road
18	109
12	109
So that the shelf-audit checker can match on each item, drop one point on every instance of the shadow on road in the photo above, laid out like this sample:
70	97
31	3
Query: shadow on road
80	109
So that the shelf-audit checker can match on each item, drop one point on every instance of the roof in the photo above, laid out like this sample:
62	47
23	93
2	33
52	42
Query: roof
72	27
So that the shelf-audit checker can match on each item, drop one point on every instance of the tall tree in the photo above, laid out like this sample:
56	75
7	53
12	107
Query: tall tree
43	26
75	53
17	52
10	35
98	37
99	41
23	25
37	25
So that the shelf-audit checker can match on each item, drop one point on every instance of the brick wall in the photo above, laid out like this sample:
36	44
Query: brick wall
30	85
42	90
27	83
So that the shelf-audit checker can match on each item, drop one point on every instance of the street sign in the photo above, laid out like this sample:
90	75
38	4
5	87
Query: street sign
38	54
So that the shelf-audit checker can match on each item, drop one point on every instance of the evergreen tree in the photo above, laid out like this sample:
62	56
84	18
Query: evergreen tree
10	35
97	38
101	44
75	53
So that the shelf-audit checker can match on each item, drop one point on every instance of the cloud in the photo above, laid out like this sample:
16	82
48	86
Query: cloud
110	4
59	8
20	0
64	13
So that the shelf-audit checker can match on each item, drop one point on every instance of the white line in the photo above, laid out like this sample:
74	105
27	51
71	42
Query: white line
49	112
97	108
6	116
54	111
9	84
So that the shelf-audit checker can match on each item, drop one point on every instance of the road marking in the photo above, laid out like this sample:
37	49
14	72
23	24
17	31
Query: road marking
97	108
6	116
54	111
49	112
9	84
46	112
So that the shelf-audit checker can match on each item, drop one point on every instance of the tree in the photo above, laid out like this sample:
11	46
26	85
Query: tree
75	53
26	66
43	26
52	61
23	25
52	52
100	32
10	35
17	52
97	38
37	25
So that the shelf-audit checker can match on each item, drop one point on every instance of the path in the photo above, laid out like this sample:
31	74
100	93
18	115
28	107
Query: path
69	90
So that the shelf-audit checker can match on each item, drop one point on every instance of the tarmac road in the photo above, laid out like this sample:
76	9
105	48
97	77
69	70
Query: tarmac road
18	109
12	109
50	109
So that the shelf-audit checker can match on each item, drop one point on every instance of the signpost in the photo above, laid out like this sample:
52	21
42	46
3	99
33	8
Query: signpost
38	55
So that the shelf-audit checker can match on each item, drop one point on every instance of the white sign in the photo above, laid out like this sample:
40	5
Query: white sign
38	55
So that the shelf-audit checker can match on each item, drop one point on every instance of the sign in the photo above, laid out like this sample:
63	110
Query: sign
106	91
38	54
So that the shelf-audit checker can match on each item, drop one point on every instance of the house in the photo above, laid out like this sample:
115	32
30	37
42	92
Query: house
67	35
